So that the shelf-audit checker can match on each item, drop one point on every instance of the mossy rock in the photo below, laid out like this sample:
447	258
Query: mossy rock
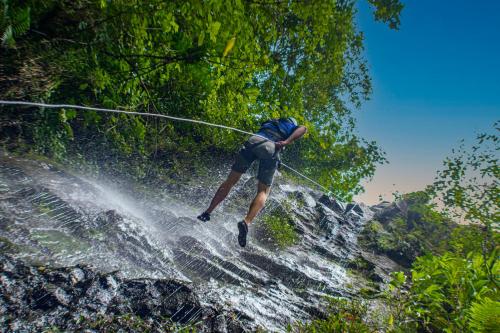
6	246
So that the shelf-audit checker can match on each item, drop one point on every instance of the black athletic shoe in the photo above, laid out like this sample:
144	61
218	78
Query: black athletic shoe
243	231
204	217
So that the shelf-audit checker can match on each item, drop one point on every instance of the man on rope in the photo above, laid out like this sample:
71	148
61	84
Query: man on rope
279	133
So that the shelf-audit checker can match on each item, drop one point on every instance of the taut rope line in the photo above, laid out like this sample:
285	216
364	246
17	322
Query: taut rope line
88	108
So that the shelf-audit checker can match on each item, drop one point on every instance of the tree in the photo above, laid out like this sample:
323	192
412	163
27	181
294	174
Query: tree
230	62
469	184
458	291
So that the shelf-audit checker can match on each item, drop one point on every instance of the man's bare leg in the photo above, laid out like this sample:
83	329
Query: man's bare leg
224	190
258	202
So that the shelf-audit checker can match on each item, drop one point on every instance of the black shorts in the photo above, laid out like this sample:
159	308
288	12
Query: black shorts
258	148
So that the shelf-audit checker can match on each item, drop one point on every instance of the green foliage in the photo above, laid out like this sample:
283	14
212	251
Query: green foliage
14	22
468	238
449	293
484	316
344	316
235	63
469	184
360	264
128	323
457	291
278	228
418	229
387	11
376	237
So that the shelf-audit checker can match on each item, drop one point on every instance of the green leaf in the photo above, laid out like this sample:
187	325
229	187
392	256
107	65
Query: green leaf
484	316
70	114
8	37
201	38
214	30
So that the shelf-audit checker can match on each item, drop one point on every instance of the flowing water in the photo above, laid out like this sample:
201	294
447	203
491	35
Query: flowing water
54	217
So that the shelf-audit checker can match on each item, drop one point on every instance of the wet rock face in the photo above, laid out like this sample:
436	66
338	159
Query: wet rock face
333	204
386	211
152	237
35	298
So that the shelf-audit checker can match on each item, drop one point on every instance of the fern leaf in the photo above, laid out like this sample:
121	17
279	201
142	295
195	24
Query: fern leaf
21	21
484	317
8	36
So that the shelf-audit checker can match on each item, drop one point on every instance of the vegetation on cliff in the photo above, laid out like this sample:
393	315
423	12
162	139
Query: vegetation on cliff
411	229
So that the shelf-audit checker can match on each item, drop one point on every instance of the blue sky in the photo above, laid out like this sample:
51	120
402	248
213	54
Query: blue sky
435	81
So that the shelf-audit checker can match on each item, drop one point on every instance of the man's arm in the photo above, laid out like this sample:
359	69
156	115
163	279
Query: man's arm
297	134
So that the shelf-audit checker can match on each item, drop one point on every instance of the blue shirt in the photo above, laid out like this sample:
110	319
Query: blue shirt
277	130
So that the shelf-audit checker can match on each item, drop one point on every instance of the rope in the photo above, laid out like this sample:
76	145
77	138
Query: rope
88	108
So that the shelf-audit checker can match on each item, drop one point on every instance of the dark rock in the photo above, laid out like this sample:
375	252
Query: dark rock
380	206
10	129
329	220
378	267
378	276
355	208
305	198
327	253
289	277
333	204
341	240
38	297
387	213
